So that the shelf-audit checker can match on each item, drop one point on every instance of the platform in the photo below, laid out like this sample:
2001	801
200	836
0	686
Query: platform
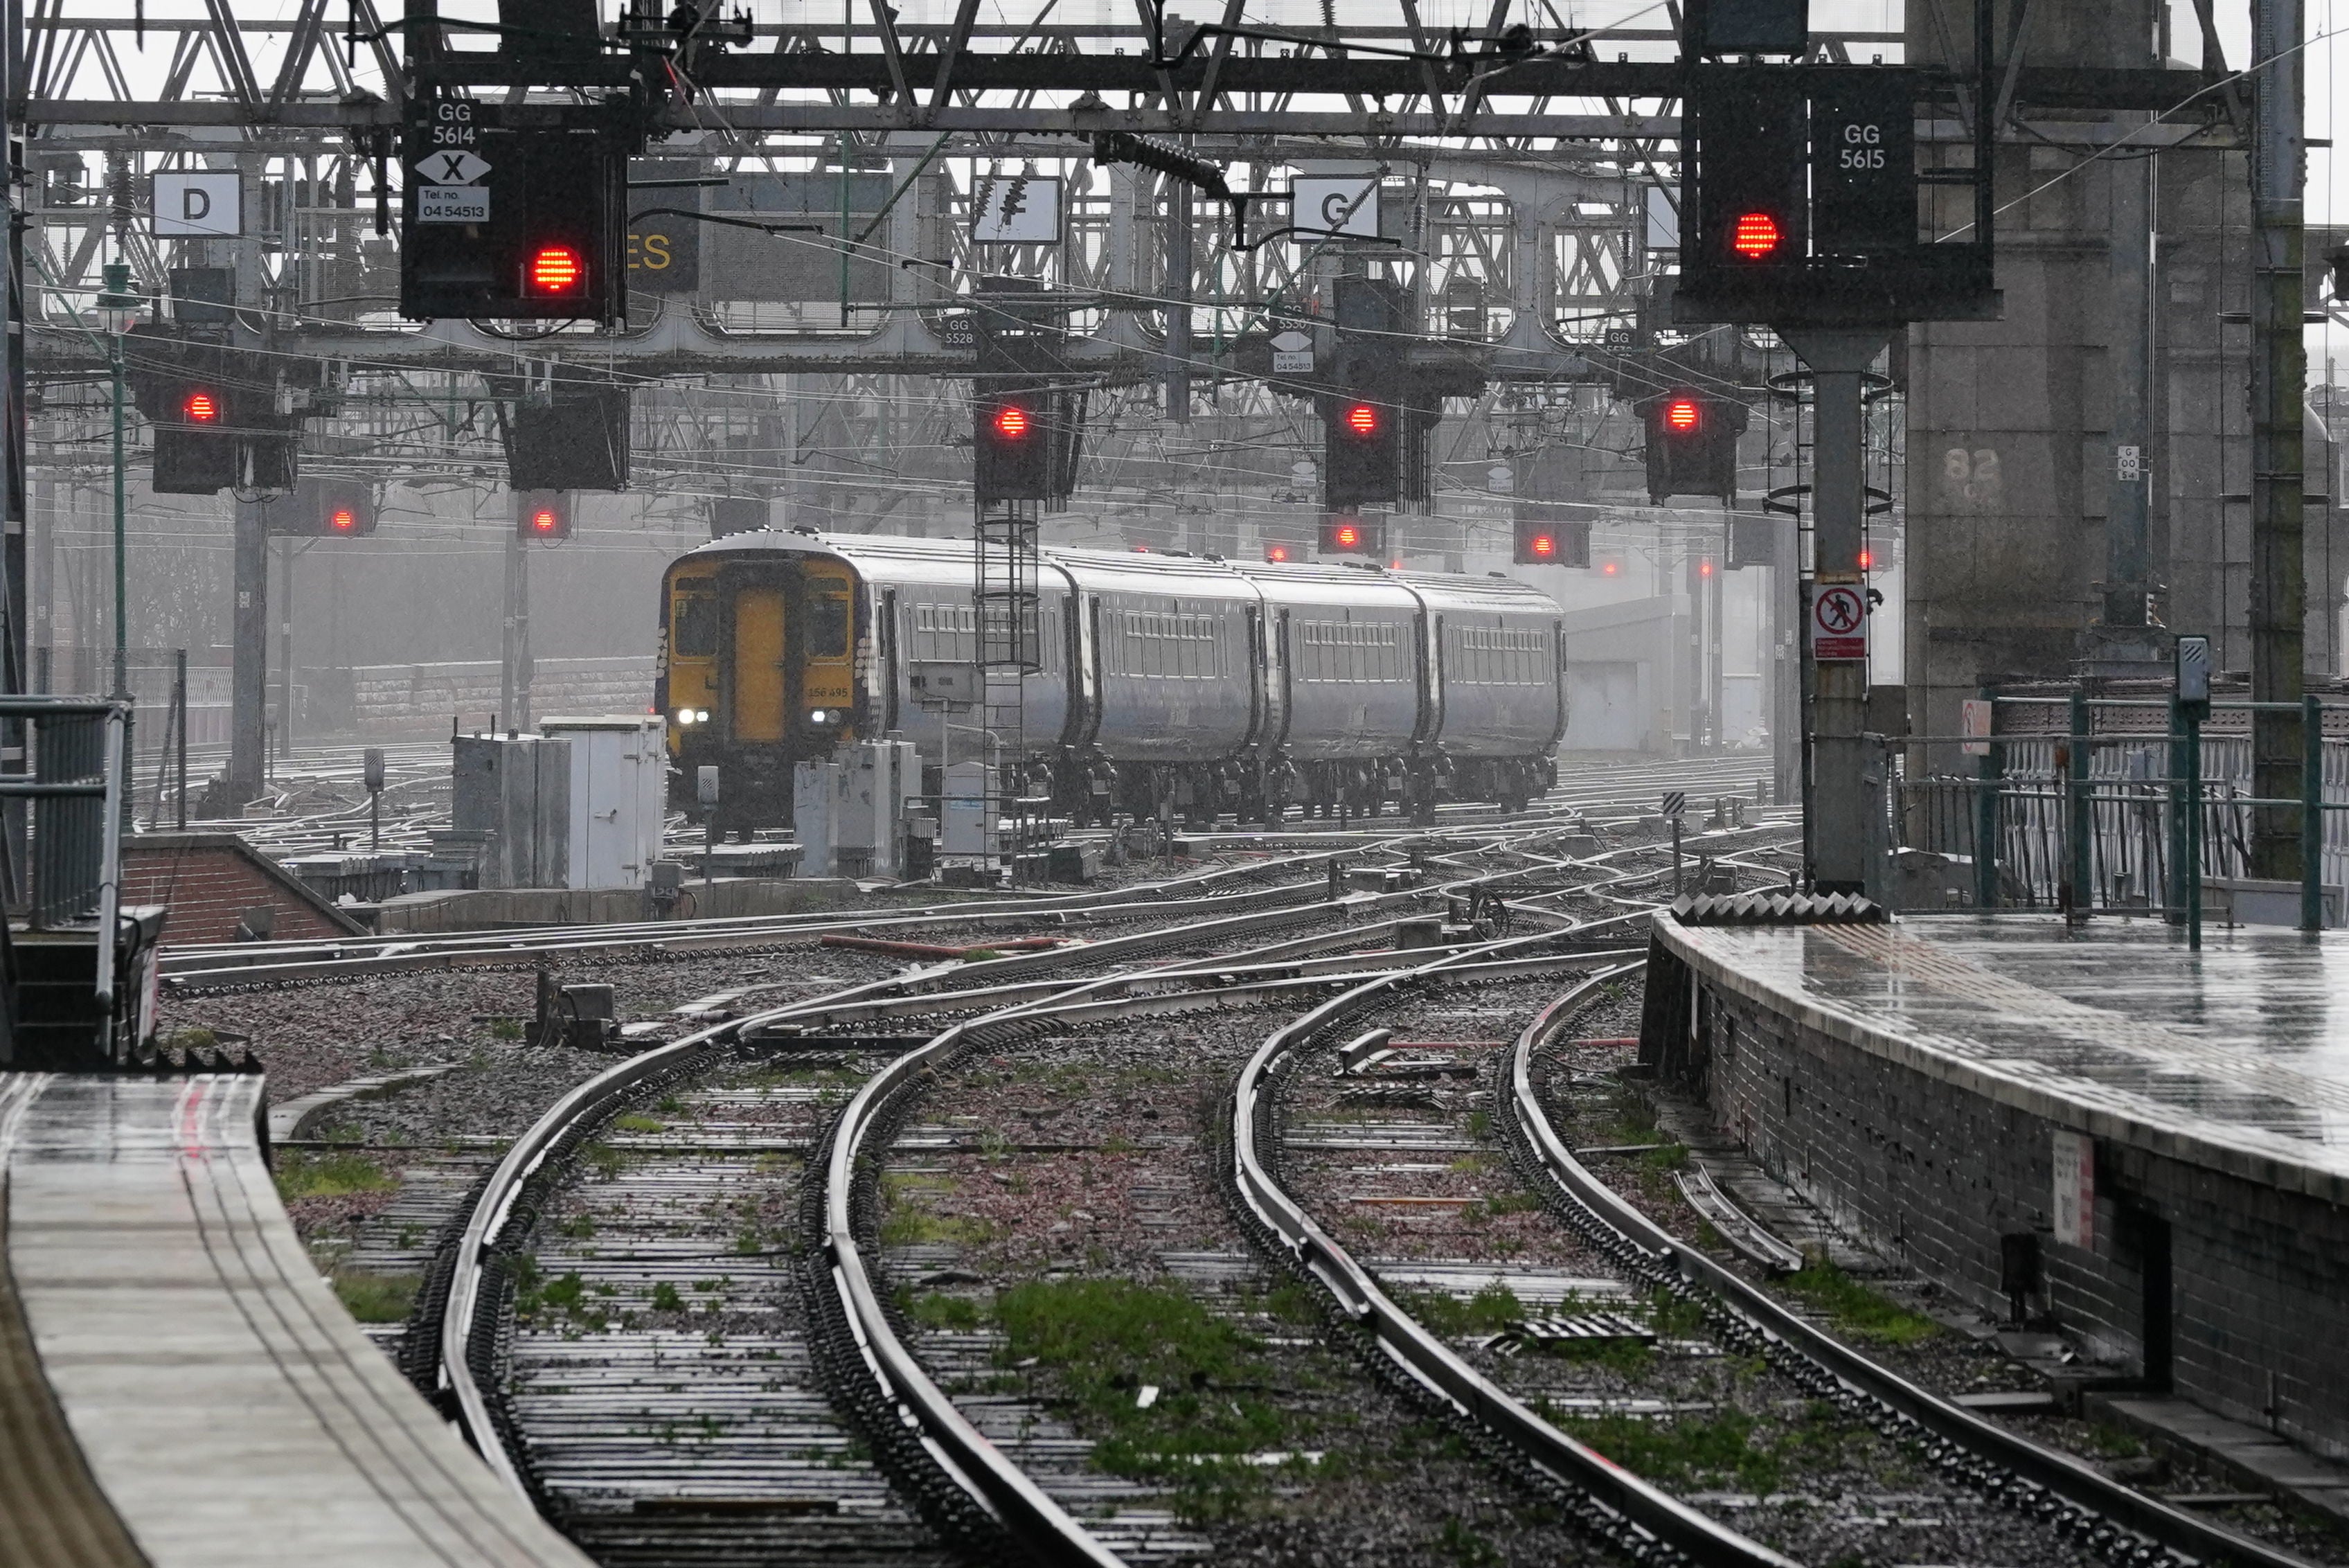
2149	1145
224	1407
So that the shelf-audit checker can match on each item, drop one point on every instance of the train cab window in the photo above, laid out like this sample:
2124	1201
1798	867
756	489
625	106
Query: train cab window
827	622
694	626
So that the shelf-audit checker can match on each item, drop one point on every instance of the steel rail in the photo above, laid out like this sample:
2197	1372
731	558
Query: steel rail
235	964
1425	1358
2058	1475
1032	1518
964	1454
196	964
252	962
961	1452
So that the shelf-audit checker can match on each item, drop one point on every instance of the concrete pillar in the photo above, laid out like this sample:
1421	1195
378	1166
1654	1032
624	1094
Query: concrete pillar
2008	420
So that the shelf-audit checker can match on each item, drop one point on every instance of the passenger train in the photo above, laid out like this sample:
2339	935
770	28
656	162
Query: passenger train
1167	685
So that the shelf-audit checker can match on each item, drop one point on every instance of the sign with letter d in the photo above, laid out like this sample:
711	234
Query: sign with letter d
199	203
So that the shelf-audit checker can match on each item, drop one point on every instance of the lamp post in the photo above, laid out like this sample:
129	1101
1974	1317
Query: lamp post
118	302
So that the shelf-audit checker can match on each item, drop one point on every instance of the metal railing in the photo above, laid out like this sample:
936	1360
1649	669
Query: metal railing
2124	820
78	745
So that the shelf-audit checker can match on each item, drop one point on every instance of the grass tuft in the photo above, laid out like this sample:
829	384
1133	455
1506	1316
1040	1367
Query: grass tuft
377	1298
1856	1309
1489	1311
1104	1339
302	1173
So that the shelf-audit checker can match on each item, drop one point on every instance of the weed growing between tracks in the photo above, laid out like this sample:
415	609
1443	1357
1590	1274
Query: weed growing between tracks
1855	1311
1210	1423
377	1298
1095	1259
333	1173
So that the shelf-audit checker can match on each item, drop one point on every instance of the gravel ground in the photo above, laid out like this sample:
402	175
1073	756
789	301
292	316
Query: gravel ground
1077	1236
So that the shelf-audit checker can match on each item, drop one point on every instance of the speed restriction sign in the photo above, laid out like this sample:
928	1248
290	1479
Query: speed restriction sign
1838	622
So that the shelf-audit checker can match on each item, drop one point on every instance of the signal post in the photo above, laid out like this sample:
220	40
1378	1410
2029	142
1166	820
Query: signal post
1806	216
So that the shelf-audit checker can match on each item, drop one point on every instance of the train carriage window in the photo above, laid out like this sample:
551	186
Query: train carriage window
828	621
694	630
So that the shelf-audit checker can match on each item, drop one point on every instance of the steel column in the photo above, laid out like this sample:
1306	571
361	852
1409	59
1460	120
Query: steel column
2279	376
513	653
249	656
1835	825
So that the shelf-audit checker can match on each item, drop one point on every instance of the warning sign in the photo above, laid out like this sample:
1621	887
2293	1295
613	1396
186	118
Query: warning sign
1838	622
2074	1200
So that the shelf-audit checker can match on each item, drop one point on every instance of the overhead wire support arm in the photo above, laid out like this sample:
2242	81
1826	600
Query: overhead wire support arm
720	218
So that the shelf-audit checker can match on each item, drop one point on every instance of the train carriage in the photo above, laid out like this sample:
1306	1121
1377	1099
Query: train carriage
1164	685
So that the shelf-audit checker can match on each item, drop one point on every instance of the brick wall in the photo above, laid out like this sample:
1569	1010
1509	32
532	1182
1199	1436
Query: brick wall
1937	1172
209	879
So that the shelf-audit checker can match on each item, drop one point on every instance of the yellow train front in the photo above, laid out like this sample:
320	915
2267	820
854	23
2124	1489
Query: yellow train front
758	668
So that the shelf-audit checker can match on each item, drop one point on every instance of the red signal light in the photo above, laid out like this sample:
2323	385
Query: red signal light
1755	237
343	520
1608	570
544	521
1704	569
1141	549
1866	559
1543	545
1276	552
1362	419
1011	422
1682	414
555	269
1348	534
200	407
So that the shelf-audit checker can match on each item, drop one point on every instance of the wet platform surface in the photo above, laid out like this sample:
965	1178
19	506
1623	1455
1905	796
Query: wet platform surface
2236	1057
229	1410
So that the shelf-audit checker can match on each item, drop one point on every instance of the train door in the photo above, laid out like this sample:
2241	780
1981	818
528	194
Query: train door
1084	702
1277	680
1557	682
1265	714
759	668
1432	678
827	648
1094	688
689	665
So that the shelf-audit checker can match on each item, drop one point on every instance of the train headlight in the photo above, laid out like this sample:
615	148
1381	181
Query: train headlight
693	716
818	715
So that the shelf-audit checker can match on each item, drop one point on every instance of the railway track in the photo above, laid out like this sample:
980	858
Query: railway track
578	1253
2057	1500
198	970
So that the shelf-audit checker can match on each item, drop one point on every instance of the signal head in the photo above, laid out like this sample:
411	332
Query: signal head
1348	534
544	520
1683	414
556	269
1543	545
200	407
1755	236
1011	422
1275	553
342	520
1362	419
